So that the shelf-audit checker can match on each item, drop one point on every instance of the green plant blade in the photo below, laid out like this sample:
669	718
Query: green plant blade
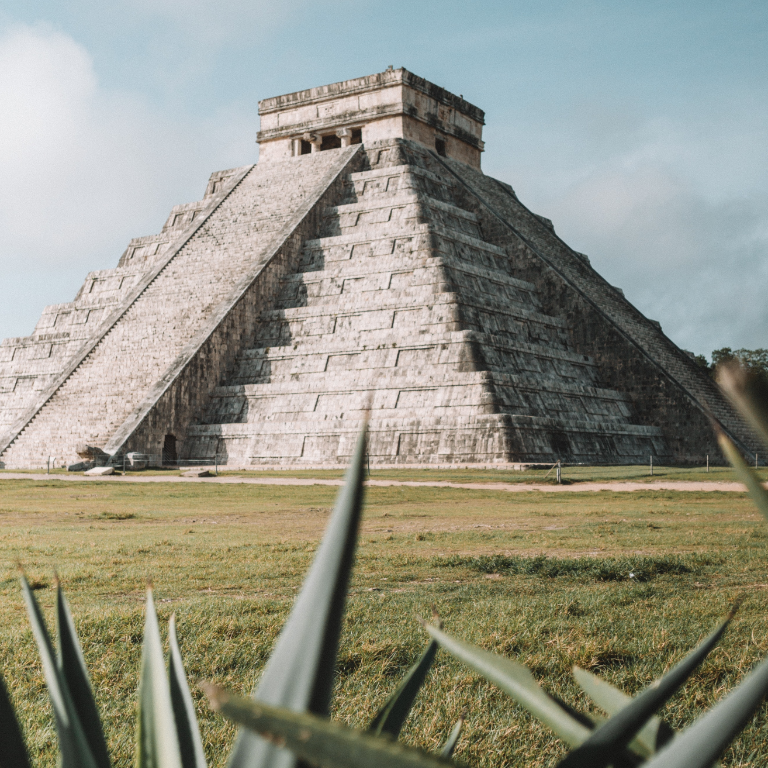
393	714
745	474
72	668
611	738
299	674
518	682
452	740
318	741
699	745
612	700
13	751
187	729
748	393
75	752
157	745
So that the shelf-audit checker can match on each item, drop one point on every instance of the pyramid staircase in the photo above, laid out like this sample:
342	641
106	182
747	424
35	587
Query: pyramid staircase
402	308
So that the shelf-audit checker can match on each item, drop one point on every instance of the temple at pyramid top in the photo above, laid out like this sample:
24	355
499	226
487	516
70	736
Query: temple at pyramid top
394	104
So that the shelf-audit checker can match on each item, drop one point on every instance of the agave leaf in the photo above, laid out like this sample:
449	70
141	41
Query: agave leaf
157	745
187	729
748	393
699	745
613	736
453	739
75	752
745	474
14	751
392	715
299	674
72	668
517	681
317	740
612	700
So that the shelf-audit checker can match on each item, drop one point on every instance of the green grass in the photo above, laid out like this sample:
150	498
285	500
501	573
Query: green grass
542	578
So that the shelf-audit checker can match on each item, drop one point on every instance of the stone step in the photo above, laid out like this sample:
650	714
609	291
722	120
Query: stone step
387	263
355	417
397	290
417	400
443	311
356	345
463	439
398	179
404	211
410	377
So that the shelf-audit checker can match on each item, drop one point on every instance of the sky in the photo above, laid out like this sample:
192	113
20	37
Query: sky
639	128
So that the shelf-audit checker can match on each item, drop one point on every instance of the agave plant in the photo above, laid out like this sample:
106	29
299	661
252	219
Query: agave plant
286	722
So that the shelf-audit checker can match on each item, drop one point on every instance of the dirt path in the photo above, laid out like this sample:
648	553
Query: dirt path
624	486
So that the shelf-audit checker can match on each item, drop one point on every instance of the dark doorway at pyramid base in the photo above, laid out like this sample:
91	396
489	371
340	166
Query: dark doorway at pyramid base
170	458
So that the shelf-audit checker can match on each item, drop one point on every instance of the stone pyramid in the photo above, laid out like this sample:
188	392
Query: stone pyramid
365	264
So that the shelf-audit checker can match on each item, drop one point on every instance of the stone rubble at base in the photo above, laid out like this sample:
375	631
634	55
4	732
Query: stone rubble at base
365	265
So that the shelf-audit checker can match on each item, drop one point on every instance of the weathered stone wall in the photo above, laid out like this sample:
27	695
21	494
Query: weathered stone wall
632	354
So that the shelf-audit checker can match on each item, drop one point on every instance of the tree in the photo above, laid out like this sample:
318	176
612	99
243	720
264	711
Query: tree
754	360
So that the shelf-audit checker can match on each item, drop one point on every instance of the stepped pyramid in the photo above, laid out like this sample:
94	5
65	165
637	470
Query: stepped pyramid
364	264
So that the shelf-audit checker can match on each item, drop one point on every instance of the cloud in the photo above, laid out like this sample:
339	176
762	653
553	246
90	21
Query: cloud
639	197
85	168
698	266
218	24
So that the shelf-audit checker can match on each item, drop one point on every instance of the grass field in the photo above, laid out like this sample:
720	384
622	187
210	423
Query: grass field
228	560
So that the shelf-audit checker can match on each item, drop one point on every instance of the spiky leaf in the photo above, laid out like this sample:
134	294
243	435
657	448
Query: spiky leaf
299	674
157	745
702	743
748	392
517	681
13	751
317	740
613	736
187	729
452	740
392	715
612	700
72	668
745	474
75	752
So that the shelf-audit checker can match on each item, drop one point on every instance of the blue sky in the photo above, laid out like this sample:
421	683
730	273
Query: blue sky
639	128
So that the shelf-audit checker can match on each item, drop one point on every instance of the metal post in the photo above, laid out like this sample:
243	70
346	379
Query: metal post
651	465
123	464
707	463
48	466
558	471
216	463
